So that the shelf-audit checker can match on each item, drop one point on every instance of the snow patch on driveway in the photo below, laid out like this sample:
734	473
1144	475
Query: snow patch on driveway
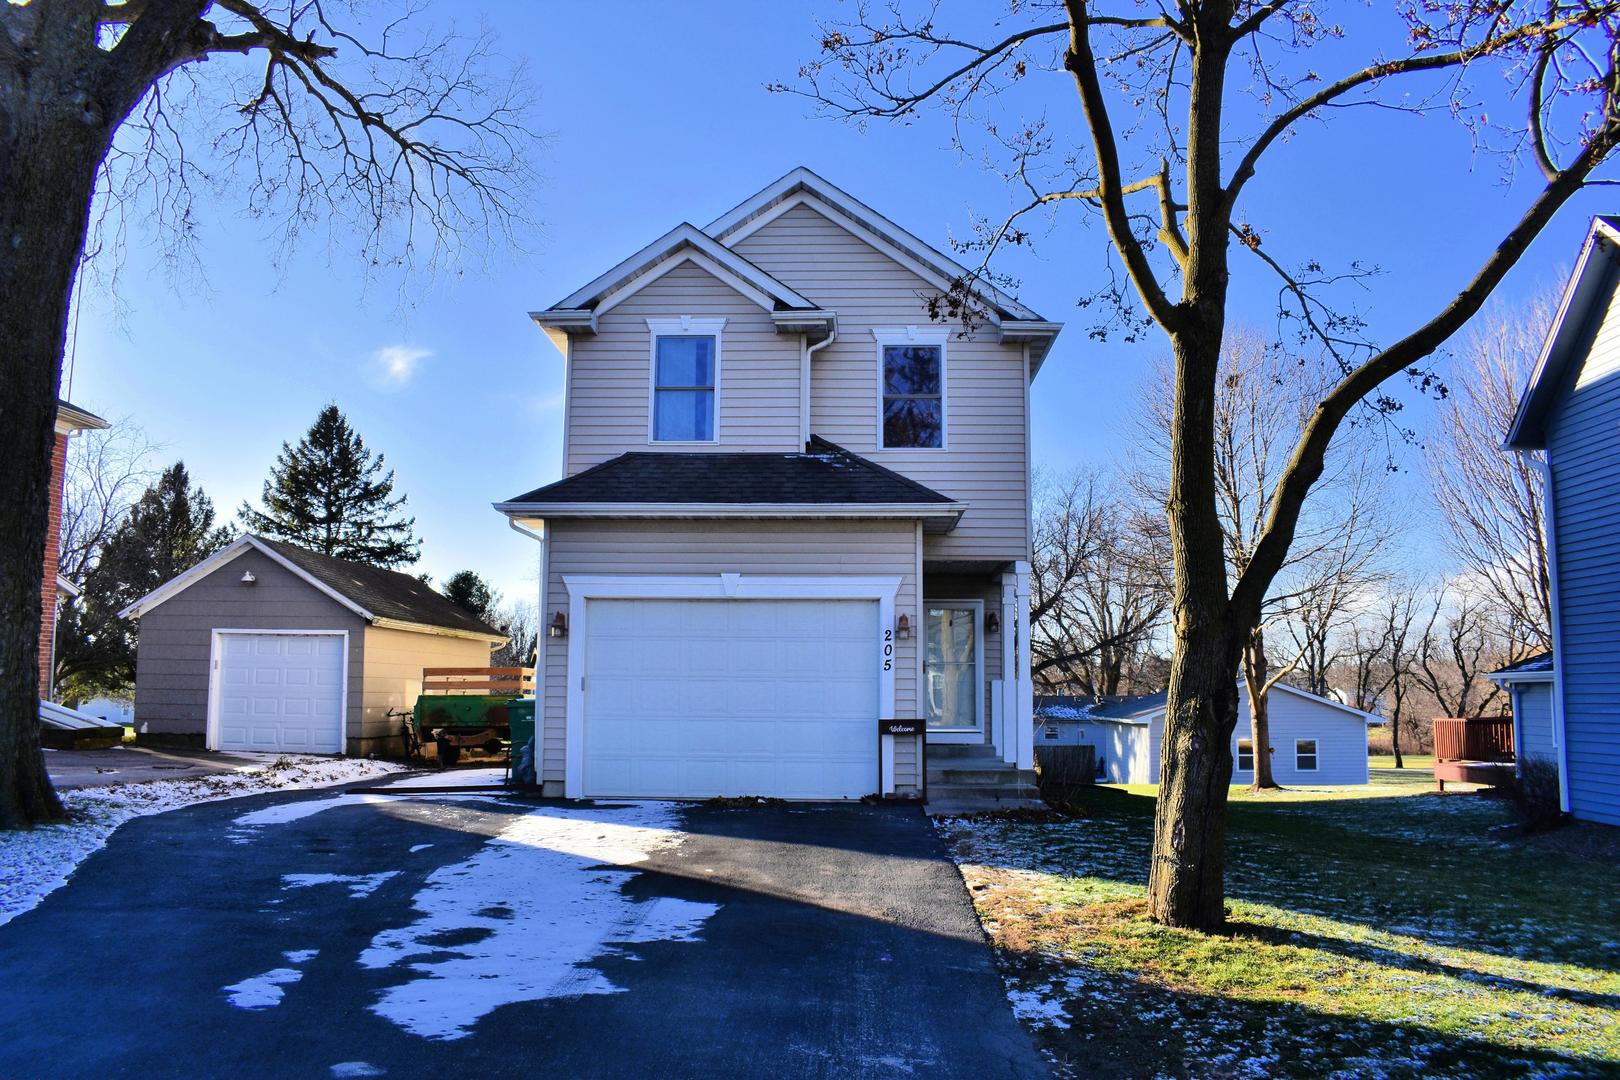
40	860
360	885
540	901
262	991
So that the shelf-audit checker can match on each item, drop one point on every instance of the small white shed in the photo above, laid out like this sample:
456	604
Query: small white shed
1314	741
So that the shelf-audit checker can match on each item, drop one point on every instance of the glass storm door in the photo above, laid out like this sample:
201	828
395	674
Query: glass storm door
951	670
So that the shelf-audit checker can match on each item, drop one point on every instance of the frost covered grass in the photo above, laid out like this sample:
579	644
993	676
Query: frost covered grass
1383	932
39	860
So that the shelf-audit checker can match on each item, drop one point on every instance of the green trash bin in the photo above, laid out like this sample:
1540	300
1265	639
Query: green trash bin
520	717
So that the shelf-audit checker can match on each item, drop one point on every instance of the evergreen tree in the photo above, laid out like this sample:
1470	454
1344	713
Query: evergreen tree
169	530
329	494
472	592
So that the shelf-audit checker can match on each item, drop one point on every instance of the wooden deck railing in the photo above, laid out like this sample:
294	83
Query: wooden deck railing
516	681
1473	738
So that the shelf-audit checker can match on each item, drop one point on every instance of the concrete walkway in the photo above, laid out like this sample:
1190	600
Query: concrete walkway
333	935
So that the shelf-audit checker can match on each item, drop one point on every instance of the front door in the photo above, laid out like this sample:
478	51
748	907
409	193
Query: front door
953	670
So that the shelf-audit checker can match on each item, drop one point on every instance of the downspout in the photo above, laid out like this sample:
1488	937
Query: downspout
804	382
1549	510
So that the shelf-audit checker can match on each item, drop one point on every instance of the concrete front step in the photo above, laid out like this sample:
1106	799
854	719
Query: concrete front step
980	774
955	751
953	805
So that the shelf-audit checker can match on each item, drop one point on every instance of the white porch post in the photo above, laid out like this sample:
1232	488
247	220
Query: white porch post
1021	707
1006	730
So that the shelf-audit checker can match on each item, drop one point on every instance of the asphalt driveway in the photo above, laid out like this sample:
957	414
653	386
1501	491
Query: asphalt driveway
330	935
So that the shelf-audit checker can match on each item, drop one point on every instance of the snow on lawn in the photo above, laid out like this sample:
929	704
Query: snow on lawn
40	860
523	918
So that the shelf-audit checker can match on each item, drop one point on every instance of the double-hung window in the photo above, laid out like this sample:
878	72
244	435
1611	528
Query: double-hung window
1305	755
685	379
911	372
1245	761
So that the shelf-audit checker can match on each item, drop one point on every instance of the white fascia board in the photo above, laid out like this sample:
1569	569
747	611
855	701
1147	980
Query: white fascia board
684	235
732	586
741	219
67	588
71	418
1306	694
568	320
1573	311
1038	334
183	582
805	322
1515	678
437	631
732	510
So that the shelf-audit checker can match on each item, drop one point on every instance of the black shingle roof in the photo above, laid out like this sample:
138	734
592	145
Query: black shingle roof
823	474
1542	661
387	594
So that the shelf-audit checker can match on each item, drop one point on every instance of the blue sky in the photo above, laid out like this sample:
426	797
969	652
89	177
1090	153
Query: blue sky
662	119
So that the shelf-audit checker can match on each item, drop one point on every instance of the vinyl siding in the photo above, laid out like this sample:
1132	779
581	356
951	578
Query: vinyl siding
609	374
172	657
1341	741
1126	752
1535	721
392	679
984	463
762	547
1583	445
1341	744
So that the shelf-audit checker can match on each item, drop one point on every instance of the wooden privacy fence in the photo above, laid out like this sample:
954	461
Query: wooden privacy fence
1473	738
516	681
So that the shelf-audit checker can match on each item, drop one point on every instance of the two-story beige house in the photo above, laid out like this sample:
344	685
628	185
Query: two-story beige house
792	507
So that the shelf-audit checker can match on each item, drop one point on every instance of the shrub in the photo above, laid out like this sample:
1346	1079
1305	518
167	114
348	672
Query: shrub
1535	795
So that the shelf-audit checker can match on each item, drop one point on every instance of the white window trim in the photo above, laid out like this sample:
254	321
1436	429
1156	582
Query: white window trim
211	725
1316	753
915	335
954	735
680	326
583	588
1237	755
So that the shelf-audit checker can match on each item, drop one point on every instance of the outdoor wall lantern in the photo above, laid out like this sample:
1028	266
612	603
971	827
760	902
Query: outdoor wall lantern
248	578
559	626
902	627
992	623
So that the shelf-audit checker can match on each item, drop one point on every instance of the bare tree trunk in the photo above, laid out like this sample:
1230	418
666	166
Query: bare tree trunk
47	172
1395	730
1256	670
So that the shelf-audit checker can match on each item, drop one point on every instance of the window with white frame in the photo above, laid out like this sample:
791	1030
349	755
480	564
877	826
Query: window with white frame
1305	755
1245	761
685	379
911	376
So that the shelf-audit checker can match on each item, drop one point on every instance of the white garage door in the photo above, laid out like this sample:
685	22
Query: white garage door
696	698
280	692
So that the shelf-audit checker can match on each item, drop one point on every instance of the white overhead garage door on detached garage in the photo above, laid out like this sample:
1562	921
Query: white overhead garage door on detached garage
278	692
696	698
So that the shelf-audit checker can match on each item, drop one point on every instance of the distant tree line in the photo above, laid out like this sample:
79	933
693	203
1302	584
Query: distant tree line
1361	612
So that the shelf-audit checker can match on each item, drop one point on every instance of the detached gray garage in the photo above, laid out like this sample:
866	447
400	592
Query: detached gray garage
270	647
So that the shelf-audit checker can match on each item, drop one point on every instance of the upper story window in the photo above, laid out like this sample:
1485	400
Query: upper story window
911	412
685	404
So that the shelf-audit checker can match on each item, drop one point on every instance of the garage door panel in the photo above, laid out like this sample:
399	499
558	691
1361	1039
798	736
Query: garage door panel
280	692
747	697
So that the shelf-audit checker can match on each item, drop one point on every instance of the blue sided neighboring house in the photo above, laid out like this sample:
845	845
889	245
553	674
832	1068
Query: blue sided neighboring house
1570	413
1314	741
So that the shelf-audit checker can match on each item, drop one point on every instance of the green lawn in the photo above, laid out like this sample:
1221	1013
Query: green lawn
1385	930
1409	761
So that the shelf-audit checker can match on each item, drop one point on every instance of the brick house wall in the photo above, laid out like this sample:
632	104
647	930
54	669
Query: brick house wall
53	557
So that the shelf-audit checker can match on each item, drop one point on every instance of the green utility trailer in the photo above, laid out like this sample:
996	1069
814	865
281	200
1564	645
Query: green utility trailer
463	708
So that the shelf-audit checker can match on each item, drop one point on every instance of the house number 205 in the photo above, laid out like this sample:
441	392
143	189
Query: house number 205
888	650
